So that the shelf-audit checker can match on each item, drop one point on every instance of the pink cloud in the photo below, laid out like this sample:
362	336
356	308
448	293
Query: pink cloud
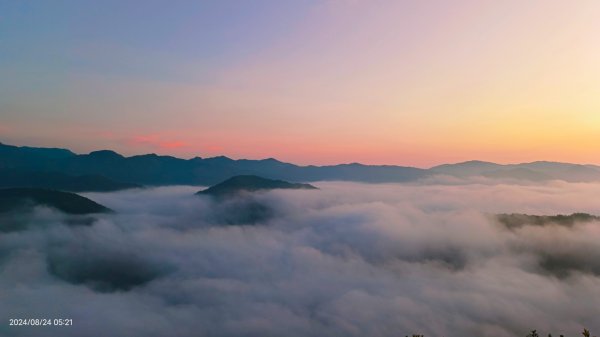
156	141
173	144
4	128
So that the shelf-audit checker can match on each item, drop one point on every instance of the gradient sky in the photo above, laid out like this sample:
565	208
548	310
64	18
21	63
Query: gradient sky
311	82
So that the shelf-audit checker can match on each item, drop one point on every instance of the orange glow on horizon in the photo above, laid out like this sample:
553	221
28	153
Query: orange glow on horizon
406	83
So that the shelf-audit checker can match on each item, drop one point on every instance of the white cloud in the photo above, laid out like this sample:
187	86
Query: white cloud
346	260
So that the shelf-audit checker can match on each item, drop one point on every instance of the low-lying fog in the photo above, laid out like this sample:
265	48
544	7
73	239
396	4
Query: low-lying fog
346	260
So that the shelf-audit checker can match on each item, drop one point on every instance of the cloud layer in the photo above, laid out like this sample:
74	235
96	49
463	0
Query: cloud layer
345	260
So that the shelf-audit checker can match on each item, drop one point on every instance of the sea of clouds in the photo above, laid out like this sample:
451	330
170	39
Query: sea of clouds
345	260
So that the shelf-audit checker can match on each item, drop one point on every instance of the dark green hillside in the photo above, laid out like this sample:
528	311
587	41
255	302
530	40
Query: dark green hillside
14	199
250	183
60	181
516	220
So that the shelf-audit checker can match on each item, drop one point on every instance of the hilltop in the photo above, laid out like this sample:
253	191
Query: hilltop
15	199
250	183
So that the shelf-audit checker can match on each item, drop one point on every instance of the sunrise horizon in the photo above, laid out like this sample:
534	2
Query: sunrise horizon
418	84
299	163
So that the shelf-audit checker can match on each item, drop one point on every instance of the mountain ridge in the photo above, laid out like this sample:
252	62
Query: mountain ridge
153	169
16	198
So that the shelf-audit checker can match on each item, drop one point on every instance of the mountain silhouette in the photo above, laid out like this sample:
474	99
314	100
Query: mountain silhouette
250	183
17	199
534	171
153	169
60	181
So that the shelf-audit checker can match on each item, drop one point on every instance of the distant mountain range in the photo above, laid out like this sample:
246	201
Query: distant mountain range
535	171
151	169
108	170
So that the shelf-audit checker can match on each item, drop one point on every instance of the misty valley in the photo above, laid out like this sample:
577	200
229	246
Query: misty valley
253	256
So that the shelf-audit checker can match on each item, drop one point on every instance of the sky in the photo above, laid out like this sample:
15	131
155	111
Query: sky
414	83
